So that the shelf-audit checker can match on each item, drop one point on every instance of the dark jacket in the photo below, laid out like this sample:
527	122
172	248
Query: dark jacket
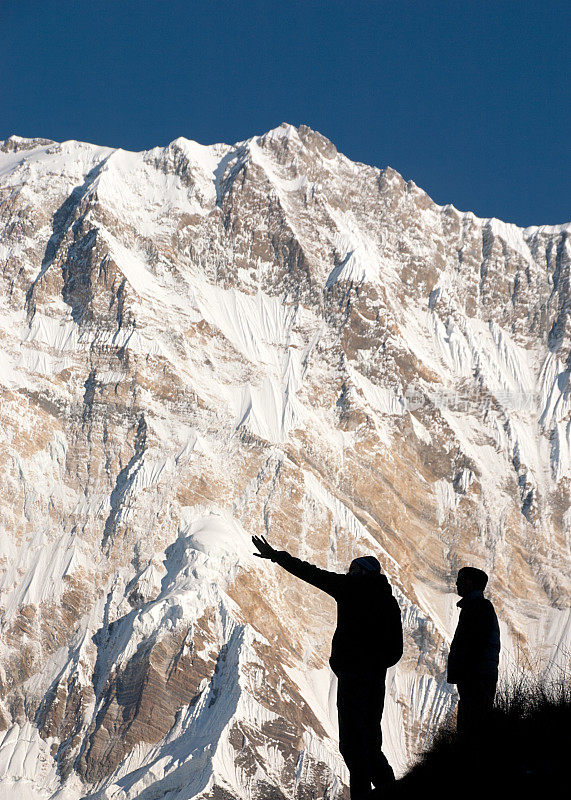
475	649
368	637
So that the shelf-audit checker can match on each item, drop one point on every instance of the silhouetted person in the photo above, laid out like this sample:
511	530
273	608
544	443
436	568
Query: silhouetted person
368	639
474	652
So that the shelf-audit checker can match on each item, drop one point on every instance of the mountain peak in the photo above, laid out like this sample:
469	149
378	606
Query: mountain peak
14	143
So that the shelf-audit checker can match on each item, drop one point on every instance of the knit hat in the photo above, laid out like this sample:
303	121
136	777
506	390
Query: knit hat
476	576
368	563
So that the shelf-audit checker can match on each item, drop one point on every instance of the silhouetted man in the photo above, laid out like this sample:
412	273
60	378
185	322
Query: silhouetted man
475	651
368	639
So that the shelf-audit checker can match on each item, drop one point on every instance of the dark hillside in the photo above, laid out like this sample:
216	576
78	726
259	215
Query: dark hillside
524	751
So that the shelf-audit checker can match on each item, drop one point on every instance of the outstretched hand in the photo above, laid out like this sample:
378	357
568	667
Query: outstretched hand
265	548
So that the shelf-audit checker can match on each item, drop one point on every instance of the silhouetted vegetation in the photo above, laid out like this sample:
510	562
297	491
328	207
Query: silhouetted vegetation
523	751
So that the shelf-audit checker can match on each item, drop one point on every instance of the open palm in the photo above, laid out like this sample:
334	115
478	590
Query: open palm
265	548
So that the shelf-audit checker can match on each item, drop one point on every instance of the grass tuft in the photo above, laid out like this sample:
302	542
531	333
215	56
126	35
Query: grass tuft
524	750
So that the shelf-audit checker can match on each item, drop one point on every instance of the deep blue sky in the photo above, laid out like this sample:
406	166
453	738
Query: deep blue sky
470	99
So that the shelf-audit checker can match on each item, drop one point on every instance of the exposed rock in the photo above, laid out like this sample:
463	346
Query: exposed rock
198	344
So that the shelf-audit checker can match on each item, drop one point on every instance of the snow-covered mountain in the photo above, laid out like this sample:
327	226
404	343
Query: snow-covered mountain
201	343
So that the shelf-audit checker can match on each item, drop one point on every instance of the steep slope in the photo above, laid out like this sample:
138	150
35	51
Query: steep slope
202	343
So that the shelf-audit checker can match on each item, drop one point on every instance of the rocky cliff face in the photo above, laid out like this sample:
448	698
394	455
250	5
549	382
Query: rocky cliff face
202	343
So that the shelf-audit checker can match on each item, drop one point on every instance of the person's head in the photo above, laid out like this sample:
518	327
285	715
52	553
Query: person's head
469	580
365	565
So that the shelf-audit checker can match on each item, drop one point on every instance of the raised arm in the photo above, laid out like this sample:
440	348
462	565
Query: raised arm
329	582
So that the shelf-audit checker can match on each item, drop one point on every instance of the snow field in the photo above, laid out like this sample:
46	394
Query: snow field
261	361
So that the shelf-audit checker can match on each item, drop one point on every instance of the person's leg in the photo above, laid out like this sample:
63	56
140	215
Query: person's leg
353	734
382	772
476	699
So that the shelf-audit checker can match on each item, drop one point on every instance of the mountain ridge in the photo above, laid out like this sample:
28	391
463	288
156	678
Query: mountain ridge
16	143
